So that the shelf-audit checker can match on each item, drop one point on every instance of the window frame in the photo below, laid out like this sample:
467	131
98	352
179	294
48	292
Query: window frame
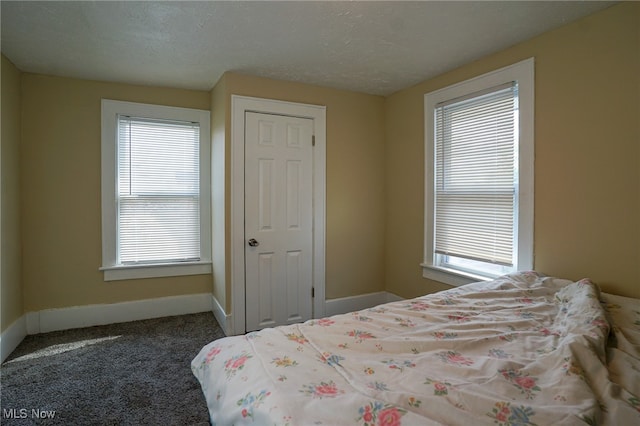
523	73
112	270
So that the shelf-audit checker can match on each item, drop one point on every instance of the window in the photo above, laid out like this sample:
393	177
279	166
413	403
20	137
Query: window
479	177
155	191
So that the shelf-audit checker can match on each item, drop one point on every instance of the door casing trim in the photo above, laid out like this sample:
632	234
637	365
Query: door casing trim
239	106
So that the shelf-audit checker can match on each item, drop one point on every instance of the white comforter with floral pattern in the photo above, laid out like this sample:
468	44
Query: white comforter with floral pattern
520	350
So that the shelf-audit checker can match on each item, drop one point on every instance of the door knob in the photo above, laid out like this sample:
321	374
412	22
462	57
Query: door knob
253	242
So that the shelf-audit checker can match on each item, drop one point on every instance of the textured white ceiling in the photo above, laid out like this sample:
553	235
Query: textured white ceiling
373	47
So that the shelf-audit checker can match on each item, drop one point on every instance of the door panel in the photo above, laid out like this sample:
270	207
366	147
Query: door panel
279	216
293	194
266	194
267	306
294	273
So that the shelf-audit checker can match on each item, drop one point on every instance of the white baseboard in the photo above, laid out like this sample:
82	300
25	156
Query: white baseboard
90	315
12	336
344	305
224	320
391	297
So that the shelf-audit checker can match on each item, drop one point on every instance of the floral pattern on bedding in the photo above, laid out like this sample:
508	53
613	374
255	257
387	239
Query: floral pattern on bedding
520	350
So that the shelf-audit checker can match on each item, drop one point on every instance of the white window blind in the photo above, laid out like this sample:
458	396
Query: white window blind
476	175
158	191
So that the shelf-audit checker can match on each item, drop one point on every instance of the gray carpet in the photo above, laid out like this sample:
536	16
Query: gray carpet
135	373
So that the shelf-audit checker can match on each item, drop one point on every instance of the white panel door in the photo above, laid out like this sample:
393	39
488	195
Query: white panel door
278	219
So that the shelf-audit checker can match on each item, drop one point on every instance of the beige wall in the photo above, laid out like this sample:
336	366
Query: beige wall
60	187
355	179
587	173
587	155
220	238
11	260
61	167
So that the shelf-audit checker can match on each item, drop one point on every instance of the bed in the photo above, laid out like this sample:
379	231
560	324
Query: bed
523	349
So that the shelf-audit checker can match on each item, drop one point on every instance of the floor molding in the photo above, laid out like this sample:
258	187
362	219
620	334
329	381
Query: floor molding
90	315
12	336
224	320
344	305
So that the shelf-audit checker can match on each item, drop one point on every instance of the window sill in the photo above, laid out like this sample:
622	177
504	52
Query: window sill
450	276
132	272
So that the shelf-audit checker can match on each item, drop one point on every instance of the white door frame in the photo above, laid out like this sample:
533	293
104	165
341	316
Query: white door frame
240	105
